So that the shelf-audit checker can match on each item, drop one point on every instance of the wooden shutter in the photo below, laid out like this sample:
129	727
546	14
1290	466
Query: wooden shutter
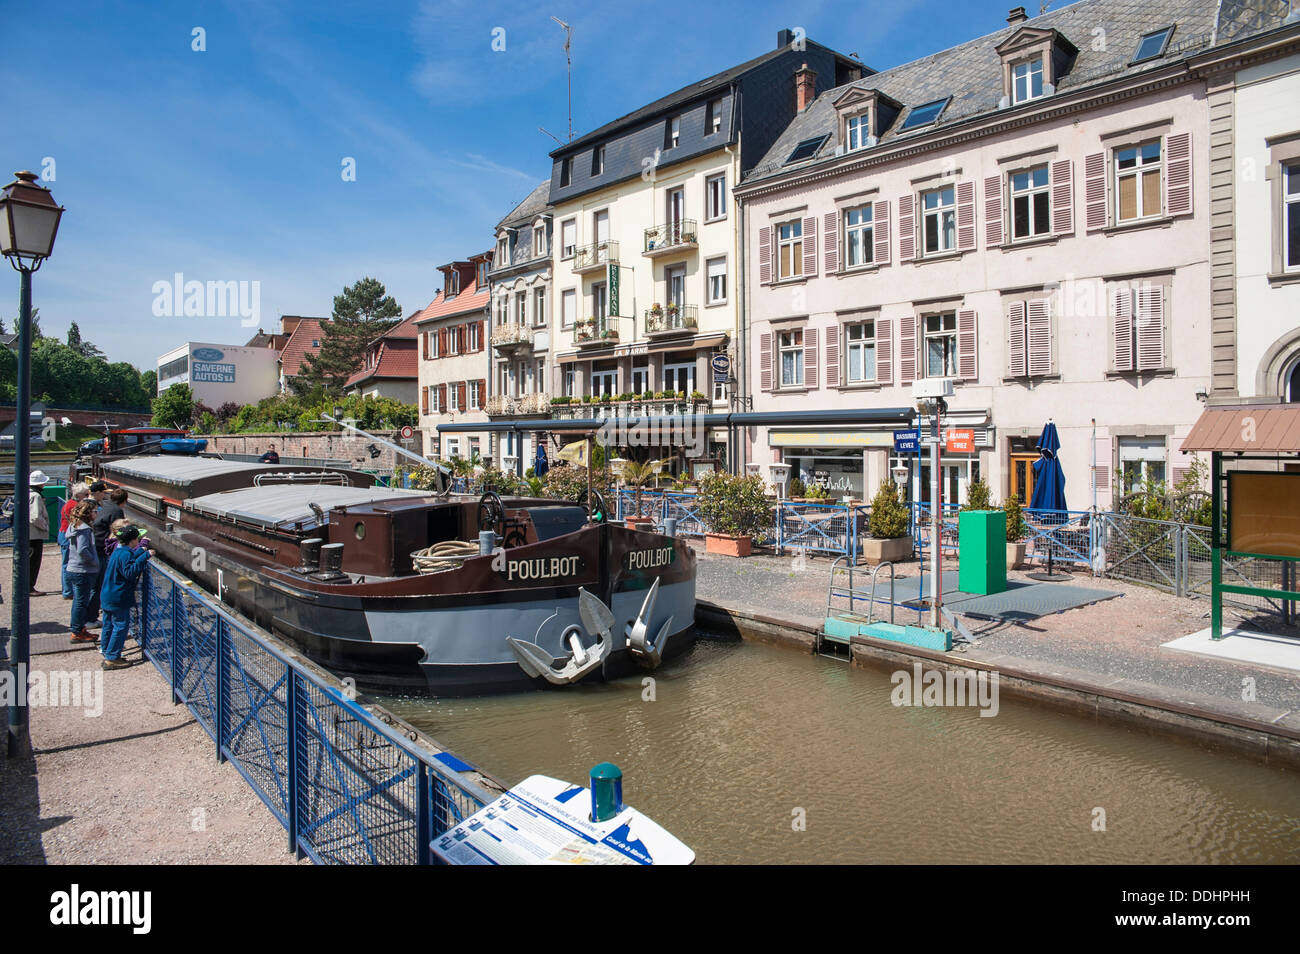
965	215
482	392
1063	197
462	335
1040	337
967	338
462	401
765	255
1178	174
481	342
993	211
880	231
833	356
765	362
906	228
810	246
907	350
442	341
1150	324
424	399
1016	336
884	352
1122	330
1103	476
810	358
442	398
830	243
1095	190
424	344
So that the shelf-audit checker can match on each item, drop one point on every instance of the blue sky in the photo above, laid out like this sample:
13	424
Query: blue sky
225	165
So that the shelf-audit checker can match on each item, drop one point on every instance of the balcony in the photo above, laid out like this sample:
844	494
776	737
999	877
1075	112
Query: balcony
671	320
512	337
504	405
625	405
593	257
595	332
670	238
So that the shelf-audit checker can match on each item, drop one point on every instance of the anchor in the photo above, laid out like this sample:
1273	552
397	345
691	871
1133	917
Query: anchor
596	619
645	652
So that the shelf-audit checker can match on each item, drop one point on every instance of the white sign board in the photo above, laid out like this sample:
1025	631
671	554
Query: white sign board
546	821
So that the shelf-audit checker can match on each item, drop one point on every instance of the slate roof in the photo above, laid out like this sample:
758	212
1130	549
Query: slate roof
523	214
299	345
971	73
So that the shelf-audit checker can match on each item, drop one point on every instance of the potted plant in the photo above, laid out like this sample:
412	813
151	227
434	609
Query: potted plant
606	398
698	397
733	509
796	489
1016	530
656	310
636	474
889	540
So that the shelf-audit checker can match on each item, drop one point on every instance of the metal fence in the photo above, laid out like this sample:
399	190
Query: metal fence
290	459
348	788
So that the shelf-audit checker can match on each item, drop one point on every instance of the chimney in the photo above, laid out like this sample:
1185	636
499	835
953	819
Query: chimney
805	87
784	38
1017	15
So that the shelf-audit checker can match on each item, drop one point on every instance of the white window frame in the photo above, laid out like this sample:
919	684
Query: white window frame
521	308
453	341
597	160
861	346
599	301
1142	451
1138	172
473	396
603	382
709	296
857	130
688	367
674	132
944	215
539	307
566	172
790	342
570	381
433	344
865	229
944	332
1031	193
568	307
1028	76
569	250
715	116
503	252
435	407
1290	173
539	240
715	197
793	242
472	337
640	378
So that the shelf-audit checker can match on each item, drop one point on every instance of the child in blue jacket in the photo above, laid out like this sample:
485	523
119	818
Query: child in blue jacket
117	597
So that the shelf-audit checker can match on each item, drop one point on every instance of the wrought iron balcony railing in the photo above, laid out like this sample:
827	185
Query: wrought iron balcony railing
588	258
674	236
671	319
591	332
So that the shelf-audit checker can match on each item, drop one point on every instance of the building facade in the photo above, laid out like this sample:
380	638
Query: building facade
646	252
217	373
389	367
1027	215
455	367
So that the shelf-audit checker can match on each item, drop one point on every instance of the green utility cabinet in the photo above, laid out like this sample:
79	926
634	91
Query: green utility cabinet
982	551
54	495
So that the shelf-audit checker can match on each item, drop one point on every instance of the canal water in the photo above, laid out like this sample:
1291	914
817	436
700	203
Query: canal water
754	753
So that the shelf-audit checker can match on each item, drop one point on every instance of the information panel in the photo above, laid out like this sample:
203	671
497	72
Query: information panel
1264	513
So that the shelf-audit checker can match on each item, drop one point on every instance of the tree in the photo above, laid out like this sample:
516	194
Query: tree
361	314
174	407
149	383
83	348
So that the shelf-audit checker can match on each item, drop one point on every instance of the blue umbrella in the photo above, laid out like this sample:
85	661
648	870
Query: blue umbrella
540	464
1049	480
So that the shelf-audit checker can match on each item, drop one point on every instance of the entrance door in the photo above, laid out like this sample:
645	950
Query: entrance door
1022	476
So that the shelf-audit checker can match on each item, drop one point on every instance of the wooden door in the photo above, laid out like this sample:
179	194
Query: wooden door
1022	477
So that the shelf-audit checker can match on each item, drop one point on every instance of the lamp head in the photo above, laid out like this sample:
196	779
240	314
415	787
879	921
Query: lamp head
29	221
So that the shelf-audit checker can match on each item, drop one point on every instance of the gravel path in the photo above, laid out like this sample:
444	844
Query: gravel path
137	783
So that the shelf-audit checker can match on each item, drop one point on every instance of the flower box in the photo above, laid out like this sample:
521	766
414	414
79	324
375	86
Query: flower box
724	544
876	551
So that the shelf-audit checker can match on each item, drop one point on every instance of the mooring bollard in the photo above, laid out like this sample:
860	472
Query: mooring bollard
487	542
606	791
670	526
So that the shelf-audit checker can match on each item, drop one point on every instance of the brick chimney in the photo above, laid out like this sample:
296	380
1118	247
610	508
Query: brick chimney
805	87
1017	15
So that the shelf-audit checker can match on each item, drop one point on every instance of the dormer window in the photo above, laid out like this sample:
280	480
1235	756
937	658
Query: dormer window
1153	45
597	161
482	274
857	130
672	132
862	115
566	172
1027	80
503	246
539	238
453	283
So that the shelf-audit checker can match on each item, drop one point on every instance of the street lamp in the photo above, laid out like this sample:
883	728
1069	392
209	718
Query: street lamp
29	220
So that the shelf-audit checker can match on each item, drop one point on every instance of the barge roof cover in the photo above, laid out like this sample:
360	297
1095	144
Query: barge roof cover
291	503
181	470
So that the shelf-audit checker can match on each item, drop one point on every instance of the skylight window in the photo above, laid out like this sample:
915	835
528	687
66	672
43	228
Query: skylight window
1153	45
806	149
924	114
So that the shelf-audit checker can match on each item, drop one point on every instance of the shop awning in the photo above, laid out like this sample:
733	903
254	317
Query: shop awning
1247	429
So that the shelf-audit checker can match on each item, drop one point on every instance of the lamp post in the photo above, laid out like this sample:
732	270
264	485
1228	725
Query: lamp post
29	220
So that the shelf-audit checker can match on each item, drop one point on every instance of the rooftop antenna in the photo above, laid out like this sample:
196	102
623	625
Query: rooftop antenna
551	134
568	59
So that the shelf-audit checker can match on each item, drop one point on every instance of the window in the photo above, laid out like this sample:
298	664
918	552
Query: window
539	307
716	271
940	345
432	339
481	275
521	308
475	396
1139	325
1141	459
541	375
1031	212
940	220
640	378
715	117
1027	80
597	160
435	399
568	237
856	131
1291	217
715	197
680	377
675	282
453	283
568	307
925	114
503	246
860	352
790	249
539	240
1153	45
791	348
472	337
603	382
1137	182
672	132
174	369
453	340
599	300
858	244
315	342
566	172
570	379
806	149
719	392
600	225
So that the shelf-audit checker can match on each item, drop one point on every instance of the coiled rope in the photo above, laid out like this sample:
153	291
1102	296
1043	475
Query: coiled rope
440	557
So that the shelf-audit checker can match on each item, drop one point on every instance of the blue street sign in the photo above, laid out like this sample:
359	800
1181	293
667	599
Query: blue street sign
907	442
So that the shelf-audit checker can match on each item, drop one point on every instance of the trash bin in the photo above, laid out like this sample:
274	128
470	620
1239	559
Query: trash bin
982	551
54	495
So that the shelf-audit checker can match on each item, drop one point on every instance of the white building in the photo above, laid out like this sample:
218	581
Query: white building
218	373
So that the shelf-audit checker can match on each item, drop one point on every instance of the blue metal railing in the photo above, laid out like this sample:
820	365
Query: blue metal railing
347	787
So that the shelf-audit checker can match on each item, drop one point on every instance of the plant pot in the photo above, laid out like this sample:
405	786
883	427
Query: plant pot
725	544
640	523
1016	555
880	551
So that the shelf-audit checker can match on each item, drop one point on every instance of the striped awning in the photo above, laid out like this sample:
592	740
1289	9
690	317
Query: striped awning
1247	429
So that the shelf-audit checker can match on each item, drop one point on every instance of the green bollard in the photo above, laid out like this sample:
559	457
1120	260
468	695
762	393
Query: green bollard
606	791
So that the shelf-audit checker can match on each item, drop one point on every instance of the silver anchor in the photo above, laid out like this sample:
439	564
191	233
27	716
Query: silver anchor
596	619
636	632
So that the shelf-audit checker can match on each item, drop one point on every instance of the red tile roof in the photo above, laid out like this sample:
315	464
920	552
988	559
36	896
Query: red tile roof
299	345
397	359
471	298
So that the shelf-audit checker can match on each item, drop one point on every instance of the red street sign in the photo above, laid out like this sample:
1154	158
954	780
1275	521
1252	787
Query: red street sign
960	440
408	432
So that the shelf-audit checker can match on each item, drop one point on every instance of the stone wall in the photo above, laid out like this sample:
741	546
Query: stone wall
291	444
84	418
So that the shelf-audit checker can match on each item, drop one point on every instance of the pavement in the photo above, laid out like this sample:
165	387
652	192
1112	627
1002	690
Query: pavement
118	775
1115	642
